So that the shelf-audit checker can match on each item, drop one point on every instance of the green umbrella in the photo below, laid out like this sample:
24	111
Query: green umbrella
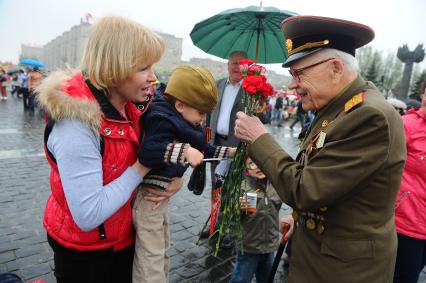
255	30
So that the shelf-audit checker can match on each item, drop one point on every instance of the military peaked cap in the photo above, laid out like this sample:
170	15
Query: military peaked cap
308	34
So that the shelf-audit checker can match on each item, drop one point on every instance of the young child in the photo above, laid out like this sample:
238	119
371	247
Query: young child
260	228
173	137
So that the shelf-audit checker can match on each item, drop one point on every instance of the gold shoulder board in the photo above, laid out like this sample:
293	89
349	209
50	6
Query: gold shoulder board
354	101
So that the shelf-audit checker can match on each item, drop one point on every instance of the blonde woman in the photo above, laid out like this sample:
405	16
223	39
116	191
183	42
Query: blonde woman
91	143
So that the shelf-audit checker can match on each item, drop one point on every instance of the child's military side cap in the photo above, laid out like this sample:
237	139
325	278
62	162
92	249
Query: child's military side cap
308	34
194	86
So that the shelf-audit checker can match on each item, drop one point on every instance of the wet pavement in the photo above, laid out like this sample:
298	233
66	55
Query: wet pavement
24	188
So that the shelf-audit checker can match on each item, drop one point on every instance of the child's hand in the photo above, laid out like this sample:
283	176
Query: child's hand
232	151
287	226
194	157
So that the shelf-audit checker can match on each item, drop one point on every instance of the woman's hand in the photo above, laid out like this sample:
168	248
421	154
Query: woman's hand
159	196
287	226
141	169
248	128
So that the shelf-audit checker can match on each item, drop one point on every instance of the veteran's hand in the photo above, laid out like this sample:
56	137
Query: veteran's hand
287	226
248	128
159	196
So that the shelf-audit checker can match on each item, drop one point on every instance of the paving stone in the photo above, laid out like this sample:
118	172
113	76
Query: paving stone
176	228
6	256
48	278
30	250
190	270
171	252
12	266
181	235
178	261
175	278
183	246
33	259
5	247
211	275
189	223
35	271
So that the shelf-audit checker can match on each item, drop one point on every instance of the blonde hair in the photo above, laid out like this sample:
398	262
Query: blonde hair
117	48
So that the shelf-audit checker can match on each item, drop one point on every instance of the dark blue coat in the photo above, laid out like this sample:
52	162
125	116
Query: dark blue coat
163	125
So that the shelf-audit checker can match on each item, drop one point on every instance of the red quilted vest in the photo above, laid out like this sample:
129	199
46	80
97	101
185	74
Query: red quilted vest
121	140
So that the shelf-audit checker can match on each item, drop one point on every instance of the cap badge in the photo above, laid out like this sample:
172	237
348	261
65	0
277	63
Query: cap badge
289	45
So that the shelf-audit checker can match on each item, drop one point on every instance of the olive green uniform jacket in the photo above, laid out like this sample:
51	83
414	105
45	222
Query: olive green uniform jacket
344	194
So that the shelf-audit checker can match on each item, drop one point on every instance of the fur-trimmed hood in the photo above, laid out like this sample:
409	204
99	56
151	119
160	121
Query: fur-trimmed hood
65	95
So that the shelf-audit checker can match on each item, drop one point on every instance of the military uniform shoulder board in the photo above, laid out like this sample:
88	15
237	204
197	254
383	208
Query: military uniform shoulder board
354	101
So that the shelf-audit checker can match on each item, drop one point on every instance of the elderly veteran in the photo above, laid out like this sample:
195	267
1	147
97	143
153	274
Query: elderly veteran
344	182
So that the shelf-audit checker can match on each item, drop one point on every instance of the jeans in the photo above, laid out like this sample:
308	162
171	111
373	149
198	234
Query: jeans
276	115
248	265
410	259
299	117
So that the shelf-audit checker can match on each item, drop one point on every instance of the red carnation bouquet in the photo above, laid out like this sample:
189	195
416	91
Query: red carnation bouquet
257	90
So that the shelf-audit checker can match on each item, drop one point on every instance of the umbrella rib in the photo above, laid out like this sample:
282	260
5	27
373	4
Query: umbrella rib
277	38
245	25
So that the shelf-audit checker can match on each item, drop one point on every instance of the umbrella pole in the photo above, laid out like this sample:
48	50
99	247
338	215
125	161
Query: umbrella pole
257	40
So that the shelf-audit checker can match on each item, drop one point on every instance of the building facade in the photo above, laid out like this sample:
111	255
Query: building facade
31	51
67	49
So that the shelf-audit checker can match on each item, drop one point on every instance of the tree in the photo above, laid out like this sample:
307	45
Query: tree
418	86
365	56
373	70
392	71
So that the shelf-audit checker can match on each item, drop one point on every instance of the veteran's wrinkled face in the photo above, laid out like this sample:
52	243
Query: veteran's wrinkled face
423	97
312	78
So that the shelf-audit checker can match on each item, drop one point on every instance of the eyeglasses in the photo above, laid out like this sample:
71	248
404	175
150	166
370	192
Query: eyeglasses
295	73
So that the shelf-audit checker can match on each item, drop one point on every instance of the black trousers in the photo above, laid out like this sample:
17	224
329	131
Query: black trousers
93	266
410	259
25	96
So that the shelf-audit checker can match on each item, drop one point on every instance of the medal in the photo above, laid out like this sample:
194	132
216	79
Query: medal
320	228
321	139
310	224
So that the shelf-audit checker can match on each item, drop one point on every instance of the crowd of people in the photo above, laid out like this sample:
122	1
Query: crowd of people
118	152
22	84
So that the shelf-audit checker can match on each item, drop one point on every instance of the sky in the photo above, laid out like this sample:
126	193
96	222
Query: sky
395	22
